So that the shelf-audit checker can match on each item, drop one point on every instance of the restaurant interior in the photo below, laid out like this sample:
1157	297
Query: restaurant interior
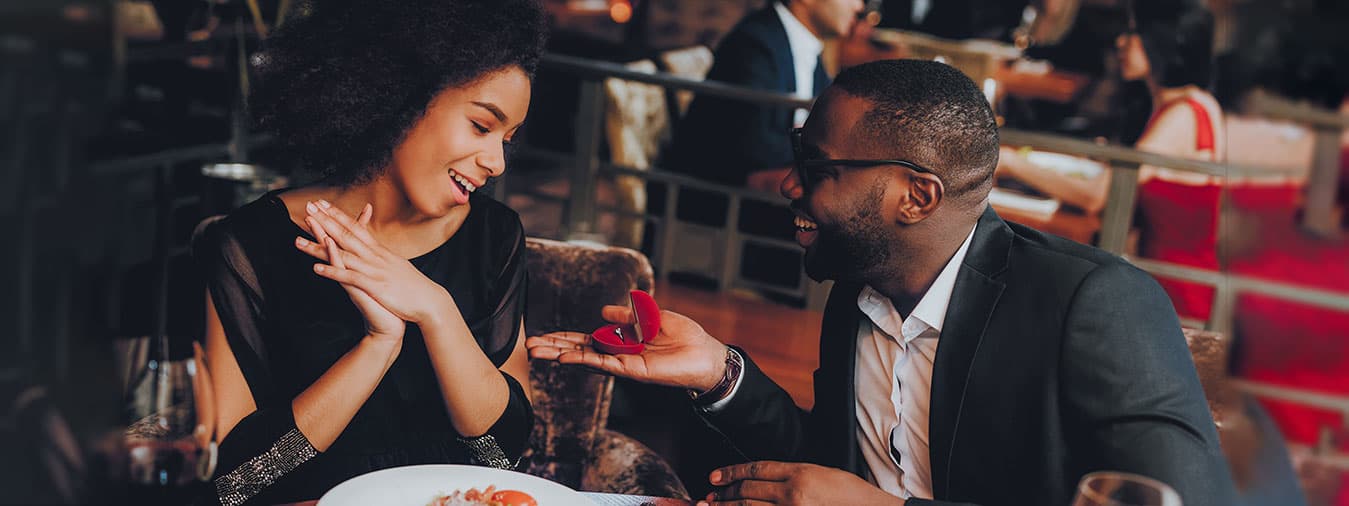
127	128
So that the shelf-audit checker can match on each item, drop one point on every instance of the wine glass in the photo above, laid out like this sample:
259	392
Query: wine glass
1113	488
170	443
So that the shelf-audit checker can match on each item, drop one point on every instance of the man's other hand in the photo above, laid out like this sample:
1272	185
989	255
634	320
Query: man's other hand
786	483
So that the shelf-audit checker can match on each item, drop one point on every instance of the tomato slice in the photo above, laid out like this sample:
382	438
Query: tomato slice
513	498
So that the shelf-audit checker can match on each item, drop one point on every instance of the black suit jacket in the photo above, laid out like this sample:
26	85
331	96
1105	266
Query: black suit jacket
1056	359
723	140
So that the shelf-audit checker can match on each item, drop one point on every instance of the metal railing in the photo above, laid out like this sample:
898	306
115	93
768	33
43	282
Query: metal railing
1319	217
581	207
1117	216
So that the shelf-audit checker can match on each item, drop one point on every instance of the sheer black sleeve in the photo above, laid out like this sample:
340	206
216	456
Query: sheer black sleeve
507	439
497	334
265	445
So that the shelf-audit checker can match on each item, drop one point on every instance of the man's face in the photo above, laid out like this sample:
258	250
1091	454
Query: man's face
833	18
843	213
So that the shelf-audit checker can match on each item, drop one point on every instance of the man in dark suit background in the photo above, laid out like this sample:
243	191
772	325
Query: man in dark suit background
774	49
963	359
739	143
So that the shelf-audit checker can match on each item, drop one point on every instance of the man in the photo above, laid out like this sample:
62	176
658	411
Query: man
963	359
775	49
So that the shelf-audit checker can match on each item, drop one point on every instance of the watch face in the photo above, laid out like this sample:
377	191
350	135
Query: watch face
645	315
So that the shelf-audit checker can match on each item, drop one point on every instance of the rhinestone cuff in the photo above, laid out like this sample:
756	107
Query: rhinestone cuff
487	452
258	473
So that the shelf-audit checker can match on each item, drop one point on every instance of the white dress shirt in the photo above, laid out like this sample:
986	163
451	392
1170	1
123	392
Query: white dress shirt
806	49
920	10
894	382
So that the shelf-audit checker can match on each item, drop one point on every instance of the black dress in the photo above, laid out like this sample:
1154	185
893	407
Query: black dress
287	326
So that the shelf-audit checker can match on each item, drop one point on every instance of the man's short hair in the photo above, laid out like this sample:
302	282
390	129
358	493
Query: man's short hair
931	114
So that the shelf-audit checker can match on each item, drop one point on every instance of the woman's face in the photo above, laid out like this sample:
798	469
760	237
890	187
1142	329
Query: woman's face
1133	61
458	143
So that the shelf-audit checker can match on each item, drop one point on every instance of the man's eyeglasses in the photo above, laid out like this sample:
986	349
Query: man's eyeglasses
806	167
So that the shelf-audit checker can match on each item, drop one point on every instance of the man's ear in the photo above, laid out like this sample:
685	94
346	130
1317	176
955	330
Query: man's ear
922	198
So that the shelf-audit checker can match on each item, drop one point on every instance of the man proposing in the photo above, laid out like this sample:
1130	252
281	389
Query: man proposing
963	359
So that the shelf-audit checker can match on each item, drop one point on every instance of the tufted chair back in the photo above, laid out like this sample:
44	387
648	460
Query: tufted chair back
568	284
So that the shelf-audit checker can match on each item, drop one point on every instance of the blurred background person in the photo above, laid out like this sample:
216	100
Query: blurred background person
743	144
1178	210
775	49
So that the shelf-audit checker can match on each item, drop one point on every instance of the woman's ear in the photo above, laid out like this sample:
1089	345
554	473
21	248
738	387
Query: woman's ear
922	198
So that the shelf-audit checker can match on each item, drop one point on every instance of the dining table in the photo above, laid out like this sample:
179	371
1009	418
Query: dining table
599	498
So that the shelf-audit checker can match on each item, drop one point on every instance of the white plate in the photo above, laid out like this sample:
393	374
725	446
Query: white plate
418	485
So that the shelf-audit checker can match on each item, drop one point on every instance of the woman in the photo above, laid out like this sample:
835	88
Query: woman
374	319
1178	211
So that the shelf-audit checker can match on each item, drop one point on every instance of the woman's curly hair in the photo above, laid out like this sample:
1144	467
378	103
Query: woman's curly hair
341	86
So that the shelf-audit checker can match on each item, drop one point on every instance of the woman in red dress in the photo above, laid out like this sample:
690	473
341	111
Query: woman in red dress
1178	211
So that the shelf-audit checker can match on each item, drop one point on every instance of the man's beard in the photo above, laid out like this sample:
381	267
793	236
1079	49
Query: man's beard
848	250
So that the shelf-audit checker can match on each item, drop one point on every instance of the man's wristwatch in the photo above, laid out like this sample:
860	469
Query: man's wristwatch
734	364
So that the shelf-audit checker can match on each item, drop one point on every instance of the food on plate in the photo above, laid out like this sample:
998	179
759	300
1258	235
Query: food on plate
512	498
486	497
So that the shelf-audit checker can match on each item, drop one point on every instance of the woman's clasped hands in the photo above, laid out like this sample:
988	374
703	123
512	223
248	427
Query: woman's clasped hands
385	287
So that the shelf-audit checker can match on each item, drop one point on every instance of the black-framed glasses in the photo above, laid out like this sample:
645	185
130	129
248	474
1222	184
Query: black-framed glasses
805	167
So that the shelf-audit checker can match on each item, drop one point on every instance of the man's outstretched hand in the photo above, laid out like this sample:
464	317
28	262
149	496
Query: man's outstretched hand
682	355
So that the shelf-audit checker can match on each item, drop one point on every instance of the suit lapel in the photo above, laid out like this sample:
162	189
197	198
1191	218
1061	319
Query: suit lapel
776	37
976	293
821	77
835	389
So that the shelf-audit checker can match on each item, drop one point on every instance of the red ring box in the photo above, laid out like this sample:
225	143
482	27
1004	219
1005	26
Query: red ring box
630	338
613	339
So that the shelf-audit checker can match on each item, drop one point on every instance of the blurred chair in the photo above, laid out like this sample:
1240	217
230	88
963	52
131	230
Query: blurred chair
689	63
1209	350
697	249
636	123
42	462
1255	449
568	284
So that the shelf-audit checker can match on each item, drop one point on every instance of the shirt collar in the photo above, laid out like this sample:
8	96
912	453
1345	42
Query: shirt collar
798	36
930	312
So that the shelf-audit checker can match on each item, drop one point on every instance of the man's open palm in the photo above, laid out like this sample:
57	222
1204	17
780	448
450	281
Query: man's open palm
682	355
